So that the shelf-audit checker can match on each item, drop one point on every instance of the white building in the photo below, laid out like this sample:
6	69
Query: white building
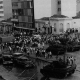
5	9
61	23
78	5
68	7
47	8
76	23
57	24
42	25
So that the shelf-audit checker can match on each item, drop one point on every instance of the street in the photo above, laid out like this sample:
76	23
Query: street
14	73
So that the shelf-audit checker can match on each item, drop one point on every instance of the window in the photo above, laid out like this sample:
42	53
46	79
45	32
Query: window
20	19
15	17
1	16
14	4
1	2
23	18
20	12
74	22
25	12
68	25
29	19
21	24
32	12
22	4
31	4
54	27
30	25
28	4
59	2
15	12
1	7
24	24
1	12
59	9
61	27
27	25
26	18
25	4
19	5
29	12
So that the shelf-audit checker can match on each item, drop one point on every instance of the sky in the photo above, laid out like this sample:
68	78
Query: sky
42	8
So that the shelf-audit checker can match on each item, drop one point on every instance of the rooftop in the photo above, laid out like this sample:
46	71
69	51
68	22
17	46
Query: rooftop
44	18
76	17
59	16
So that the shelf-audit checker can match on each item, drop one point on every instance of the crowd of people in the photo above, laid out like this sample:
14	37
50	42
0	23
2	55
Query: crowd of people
33	45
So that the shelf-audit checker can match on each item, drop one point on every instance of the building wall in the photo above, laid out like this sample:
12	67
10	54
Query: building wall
7	9
78	5
48	8
68	8
42	26
67	24
23	10
42	8
76	23
62	24
54	23
1	10
39	26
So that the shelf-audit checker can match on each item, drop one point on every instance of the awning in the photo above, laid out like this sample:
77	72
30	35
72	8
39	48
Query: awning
5	23
25	28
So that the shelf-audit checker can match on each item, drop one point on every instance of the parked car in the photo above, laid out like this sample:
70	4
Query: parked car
7	60
23	61
15	55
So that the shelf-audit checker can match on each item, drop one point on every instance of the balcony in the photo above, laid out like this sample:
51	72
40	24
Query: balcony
14	20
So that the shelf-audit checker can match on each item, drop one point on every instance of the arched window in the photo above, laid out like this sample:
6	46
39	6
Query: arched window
55	27
68	25
61	27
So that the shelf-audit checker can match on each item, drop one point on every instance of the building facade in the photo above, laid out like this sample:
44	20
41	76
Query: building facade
5	9
43	25
64	7
23	14
78	6
67	7
76	23
60	24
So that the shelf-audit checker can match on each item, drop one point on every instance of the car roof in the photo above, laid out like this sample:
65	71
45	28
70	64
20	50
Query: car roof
22	57
17	53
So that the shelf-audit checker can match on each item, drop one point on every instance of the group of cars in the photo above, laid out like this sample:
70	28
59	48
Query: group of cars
16	59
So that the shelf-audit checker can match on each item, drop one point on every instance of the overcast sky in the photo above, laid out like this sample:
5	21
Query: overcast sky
42	6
